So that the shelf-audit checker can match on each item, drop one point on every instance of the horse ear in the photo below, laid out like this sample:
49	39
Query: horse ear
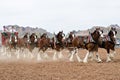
115	29
97	28
115	32
102	31
112	28
3	26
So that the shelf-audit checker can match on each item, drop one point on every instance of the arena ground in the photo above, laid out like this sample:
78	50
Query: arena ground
31	69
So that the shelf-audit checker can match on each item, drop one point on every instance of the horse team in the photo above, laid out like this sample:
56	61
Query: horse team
71	43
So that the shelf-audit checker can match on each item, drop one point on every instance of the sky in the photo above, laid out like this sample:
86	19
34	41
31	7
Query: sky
55	15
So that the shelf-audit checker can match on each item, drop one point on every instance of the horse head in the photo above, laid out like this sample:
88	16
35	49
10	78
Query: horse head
44	35
97	34
27	38
60	36
112	34
13	38
72	34
33	38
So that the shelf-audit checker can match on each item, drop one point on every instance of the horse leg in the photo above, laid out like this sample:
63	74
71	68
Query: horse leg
24	53
22	50
60	55
18	53
30	53
55	55
113	54
90	56
39	56
45	55
72	55
108	56
98	57
85	60
2	49
9	52
69	54
78	58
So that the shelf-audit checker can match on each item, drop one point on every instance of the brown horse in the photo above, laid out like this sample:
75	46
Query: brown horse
23	43
92	47
72	44
58	44
5	42
109	44
43	44
13	41
32	42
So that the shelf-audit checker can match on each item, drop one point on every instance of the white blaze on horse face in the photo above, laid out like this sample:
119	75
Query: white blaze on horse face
10	39
63	36
101	34
28	38
15	39
73	35
114	34
35	38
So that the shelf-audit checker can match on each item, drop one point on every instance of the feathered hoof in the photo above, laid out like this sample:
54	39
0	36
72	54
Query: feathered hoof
99	61
108	61
80	60
111	57
71	60
85	61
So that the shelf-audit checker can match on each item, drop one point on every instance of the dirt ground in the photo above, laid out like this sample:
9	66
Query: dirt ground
30	69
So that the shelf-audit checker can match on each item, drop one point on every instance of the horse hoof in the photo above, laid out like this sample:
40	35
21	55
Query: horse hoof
71	60
99	61
80	60
108	61
85	62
